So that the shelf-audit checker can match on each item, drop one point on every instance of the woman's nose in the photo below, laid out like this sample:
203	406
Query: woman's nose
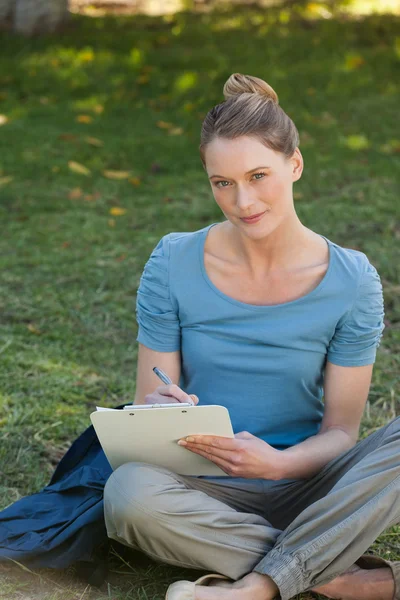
244	199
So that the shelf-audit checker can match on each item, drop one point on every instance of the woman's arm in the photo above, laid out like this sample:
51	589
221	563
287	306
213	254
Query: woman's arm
345	393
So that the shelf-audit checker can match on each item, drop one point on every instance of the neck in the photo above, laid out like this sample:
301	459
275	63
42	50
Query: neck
275	253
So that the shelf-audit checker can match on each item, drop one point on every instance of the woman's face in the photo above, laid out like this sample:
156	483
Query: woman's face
247	178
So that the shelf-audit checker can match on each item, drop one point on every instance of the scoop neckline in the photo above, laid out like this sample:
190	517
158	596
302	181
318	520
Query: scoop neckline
262	307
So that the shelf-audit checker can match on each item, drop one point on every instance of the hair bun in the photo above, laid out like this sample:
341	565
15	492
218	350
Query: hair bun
238	84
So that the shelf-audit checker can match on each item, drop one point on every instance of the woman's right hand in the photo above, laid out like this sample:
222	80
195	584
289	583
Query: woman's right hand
169	394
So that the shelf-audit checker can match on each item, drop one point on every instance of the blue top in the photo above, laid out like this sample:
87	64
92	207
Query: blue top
265	364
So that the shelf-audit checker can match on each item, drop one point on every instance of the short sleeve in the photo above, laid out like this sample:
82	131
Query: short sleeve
158	322
357	338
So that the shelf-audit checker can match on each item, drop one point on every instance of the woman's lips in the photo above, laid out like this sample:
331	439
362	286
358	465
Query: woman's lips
254	219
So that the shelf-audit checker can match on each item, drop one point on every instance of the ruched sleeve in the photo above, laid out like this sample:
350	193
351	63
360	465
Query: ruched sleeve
157	319
357	338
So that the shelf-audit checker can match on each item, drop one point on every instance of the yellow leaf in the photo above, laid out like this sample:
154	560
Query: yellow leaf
78	168
111	222
94	141
3	119
357	142
353	61
84	119
5	180
33	329
175	131
298	195
117	212
390	147
116	174
135	180
164	125
98	109
75	193
189	106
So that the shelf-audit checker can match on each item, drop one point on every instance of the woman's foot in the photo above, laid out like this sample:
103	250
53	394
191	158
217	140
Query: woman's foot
360	584
354	584
252	586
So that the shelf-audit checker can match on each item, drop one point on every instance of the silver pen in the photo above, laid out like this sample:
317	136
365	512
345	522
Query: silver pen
165	379
163	376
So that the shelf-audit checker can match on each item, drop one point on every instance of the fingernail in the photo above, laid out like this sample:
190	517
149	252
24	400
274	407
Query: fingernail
190	439
182	443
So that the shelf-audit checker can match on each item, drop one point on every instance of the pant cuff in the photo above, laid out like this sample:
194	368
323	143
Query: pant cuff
285	571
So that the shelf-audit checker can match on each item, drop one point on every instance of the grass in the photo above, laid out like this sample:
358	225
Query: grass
128	94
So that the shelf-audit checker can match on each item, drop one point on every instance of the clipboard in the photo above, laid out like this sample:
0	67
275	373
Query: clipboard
150	435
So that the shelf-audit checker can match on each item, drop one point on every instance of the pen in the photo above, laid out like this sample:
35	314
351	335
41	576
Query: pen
164	378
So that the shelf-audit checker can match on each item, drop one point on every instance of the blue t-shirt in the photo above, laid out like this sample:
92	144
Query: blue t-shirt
265	364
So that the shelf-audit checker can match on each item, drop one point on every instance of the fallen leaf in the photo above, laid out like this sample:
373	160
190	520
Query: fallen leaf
164	124
3	119
135	180
390	147
84	119
78	168
94	141
92	197
67	136
98	109
75	193
116	174
34	329
298	195
357	142
111	222
353	61
116	211
175	131
5	180
122	257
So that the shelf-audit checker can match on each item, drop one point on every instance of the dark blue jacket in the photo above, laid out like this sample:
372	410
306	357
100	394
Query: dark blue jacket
63	523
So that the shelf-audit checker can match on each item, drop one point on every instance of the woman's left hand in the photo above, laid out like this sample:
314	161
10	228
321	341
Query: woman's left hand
242	456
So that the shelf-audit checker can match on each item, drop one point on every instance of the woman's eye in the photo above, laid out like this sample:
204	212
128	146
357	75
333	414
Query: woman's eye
255	174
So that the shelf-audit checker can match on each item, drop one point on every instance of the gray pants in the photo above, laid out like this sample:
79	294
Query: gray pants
300	532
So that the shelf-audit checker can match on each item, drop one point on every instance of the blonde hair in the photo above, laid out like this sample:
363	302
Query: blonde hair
251	107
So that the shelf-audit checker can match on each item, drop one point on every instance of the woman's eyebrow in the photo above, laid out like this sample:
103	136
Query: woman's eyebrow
255	169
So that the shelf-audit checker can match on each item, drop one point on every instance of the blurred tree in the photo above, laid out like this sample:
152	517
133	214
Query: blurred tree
33	16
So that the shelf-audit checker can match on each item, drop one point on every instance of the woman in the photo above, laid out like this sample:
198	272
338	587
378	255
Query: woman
261	316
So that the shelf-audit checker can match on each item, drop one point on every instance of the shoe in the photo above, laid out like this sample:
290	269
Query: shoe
370	561
184	590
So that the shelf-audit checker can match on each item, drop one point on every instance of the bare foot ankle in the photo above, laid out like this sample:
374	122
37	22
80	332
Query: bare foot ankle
253	586
360	584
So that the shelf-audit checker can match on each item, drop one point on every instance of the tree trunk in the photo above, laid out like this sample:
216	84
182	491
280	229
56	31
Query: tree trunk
33	16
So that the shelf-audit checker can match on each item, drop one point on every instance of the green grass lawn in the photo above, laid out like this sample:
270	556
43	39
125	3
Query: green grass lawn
99	134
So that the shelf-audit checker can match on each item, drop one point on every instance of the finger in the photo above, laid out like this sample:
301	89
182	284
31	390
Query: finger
215	452
215	441
174	390
224	464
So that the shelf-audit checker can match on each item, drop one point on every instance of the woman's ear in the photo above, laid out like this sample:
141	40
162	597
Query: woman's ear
297	164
